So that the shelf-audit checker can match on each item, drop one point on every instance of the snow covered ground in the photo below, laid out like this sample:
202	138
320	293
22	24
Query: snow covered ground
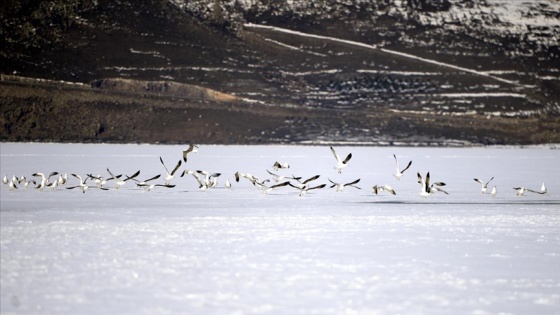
239	251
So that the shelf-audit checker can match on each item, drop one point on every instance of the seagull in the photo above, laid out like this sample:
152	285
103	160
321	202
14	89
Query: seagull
399	173
192	148
27	182
340	164
228	184
428	189
83	186
251	178
277	178
145	182
304	184
211	180
340	186
119	182
62	180
277	165
171	175
522	190
5	180
494	191
12	185
44	180
543	189
484	185
266	189
100	181
376	189
305	188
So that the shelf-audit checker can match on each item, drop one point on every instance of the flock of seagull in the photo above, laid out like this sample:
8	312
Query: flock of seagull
206	180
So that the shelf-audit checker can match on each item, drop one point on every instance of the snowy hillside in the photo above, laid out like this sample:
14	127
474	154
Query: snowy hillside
407	72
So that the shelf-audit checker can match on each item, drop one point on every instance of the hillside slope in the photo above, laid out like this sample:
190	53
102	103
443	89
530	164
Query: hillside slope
405	72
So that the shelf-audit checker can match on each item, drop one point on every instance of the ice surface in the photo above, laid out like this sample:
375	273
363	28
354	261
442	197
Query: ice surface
240	251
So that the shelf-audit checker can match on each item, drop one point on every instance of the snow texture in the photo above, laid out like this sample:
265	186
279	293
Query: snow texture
239	251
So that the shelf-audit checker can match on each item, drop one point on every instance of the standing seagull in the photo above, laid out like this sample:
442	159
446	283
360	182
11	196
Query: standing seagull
484	185
192	148
494	191
340	164
171	175
399	173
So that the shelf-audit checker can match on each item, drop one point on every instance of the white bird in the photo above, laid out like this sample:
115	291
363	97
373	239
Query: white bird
62	180
400	172
265	189
484	187
277	178
543	189
12	185
145	182
83	186
277	165
27	182
427	188
303	189
376	189
340	164
210	180
340	186
192	148
5	180
171	175
305	183
228	184
494	191
44	180
523	190
118	181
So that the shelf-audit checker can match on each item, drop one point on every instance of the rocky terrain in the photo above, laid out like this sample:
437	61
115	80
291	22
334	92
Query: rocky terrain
391	72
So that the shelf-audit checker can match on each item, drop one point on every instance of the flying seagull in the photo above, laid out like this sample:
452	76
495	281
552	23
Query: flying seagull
171	175
377	189
484	185
340	164
118	181
83	186
303	189
340	186
44	180
192	148
522	190
399	173
277	165
427	188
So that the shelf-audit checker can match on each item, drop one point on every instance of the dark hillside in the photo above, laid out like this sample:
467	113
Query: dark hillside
173	72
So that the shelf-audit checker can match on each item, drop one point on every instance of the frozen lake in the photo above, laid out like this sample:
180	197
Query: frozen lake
238	251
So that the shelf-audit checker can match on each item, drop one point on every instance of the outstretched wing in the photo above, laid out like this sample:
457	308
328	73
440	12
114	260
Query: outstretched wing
348	157
161	160
176	167
409	163
336	156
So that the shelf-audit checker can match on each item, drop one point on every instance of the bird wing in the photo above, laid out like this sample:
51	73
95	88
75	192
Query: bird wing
161	160
409	163
311	179
478	181
389	189
353	183
133	176
348	157
176	167
317	187
155	177
336	156
280	185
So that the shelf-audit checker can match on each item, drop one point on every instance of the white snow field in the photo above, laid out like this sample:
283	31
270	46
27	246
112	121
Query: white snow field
239	251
